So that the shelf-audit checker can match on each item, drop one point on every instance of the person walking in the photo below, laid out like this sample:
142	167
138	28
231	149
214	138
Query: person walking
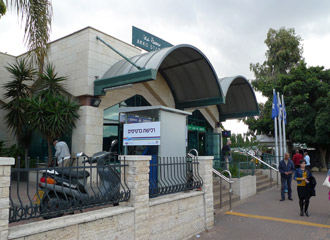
226	153
62	153
286	168
296	159
308	161
302	176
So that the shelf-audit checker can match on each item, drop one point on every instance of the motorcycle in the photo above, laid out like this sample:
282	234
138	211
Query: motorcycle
61	189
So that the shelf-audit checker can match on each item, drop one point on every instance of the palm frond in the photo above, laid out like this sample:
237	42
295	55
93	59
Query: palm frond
37	28
38	19
16	90
49	82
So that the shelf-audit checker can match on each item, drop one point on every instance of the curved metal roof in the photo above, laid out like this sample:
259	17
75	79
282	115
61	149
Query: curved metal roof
189	74
240	100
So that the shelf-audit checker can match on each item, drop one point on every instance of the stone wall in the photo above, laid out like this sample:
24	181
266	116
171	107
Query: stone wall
175	216
245	186
273	173
5	167
107	223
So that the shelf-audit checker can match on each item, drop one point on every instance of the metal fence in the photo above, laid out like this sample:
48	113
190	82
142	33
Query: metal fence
173	174
52	191
241	165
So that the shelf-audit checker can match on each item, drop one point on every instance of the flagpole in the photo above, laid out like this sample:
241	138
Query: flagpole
283	123
275	131
279	125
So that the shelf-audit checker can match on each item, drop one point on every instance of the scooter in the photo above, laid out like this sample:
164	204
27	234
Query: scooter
61	189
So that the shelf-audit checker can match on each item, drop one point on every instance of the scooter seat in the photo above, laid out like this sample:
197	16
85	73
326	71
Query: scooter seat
72	173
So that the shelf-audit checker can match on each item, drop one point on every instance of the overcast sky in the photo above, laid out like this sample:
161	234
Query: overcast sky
230	33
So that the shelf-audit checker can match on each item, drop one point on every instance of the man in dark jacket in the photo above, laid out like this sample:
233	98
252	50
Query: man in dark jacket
286	168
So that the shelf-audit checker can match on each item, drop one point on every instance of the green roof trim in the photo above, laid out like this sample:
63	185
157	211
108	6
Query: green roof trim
200	102
224	117
130	78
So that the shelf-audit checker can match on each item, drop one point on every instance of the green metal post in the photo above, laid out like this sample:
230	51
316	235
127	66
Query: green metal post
120	54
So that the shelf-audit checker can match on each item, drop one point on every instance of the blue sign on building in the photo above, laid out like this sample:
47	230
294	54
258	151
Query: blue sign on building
147	41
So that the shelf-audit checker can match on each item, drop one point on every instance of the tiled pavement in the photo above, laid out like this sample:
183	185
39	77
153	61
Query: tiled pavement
267	204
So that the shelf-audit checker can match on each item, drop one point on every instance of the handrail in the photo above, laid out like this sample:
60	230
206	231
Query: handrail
190	155
193	150
228	180
259	160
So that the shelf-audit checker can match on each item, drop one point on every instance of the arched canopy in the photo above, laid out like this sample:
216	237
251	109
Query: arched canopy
187	71
240	100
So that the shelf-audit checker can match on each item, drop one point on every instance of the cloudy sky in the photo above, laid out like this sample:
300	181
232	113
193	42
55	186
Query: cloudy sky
230	33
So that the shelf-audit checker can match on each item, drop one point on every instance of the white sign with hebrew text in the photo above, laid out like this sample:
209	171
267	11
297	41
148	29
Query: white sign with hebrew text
137	134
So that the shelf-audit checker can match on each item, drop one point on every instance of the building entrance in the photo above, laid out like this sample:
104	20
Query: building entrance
201	136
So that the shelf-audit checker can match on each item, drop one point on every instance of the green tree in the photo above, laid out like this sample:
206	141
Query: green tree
307	98
16	91
49	112
2	8
284	51
38	17
239	140
305	90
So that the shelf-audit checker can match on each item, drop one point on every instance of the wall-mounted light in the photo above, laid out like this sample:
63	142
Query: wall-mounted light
95	102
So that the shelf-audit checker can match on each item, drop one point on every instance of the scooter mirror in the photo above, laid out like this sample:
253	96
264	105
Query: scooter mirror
114	142
80	154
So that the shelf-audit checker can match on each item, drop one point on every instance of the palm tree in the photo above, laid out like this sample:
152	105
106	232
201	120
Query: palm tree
52	116
49	112
38	19
16	91
49	82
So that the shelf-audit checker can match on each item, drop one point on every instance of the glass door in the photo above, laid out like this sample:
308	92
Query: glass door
213	145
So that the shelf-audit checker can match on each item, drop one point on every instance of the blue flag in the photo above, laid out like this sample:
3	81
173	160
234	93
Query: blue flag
274	107
284	112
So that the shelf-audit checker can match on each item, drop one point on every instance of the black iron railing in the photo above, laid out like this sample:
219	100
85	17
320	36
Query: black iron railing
53	191
173	174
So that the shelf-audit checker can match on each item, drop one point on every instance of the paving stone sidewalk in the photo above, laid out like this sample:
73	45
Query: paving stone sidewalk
267	204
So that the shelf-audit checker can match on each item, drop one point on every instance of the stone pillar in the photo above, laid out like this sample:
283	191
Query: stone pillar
87	137
5	169
138	183
205	171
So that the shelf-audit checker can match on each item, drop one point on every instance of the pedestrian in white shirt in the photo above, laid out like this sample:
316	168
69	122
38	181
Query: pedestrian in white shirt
308	161
62	153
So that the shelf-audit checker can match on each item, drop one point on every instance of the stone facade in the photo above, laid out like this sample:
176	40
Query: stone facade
175	216
88	135
81	58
